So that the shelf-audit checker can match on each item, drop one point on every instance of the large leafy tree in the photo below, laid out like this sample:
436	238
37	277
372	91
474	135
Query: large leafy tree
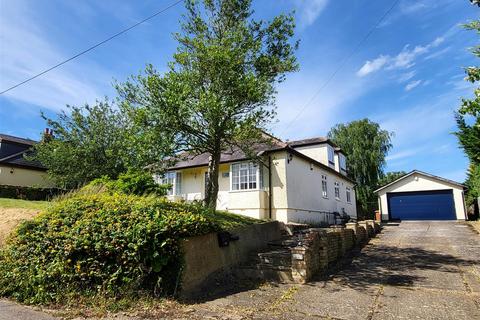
219	90
86	144
93	141
468	122
366	145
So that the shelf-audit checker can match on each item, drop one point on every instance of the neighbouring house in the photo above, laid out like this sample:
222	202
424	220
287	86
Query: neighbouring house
421	196
17	171
301	181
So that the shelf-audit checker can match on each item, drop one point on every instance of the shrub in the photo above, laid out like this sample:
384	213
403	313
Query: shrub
28	193
103	244
131	182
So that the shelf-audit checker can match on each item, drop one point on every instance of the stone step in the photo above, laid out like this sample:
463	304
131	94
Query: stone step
280	257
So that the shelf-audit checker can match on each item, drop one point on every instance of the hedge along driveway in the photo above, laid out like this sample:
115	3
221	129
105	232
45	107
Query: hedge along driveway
109	245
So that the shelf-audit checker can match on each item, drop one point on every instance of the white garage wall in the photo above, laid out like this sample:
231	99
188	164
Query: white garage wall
420	182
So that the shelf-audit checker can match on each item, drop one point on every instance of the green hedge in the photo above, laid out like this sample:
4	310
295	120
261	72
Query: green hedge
112	245
28	193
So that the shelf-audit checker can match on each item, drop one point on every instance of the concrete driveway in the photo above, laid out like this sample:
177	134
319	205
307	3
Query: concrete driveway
414	270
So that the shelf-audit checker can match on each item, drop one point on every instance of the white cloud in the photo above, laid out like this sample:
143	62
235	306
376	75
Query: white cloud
403	154
406	76
310	10
412	85
68	84
437	53
372	66
403	60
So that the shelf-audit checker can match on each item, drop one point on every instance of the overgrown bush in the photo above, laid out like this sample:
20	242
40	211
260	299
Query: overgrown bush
131	182
103	244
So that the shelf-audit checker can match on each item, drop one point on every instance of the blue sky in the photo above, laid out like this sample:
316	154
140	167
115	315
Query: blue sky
408	76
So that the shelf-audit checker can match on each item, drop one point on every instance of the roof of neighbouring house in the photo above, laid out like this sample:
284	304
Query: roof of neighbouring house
17	158
6	137
423	174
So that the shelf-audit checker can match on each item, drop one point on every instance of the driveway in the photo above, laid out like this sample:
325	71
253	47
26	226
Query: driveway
414	270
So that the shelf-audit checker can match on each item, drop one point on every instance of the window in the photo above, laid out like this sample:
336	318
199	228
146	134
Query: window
343	162
349	196
174	179
324	186
337	191
246	176
331	154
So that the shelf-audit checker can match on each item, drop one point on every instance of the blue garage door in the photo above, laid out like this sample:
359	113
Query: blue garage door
422	205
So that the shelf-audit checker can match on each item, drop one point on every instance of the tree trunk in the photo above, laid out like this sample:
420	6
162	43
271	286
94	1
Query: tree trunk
211	192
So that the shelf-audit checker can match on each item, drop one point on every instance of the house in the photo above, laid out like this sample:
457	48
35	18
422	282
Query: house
421	196
17	171
302	181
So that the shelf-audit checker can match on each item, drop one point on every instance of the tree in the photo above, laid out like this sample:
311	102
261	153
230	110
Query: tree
468	122
389	177
219	91
90	142
366	145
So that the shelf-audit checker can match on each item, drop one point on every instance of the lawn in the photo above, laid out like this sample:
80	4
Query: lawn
23	204
13	211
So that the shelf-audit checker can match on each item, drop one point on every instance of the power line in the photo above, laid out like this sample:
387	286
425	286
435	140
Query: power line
344	62
92	47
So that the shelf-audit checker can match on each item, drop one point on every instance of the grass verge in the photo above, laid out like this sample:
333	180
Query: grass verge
23	204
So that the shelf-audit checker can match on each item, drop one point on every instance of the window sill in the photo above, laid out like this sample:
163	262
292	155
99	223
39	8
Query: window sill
338	199
325	197
245	190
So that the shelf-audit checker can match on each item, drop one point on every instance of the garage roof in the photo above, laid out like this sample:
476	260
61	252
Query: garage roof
424	174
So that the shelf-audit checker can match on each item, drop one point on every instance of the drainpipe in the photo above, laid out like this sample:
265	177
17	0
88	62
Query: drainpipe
270	189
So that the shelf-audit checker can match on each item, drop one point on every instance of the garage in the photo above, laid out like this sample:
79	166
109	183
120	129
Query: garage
422	205
421	196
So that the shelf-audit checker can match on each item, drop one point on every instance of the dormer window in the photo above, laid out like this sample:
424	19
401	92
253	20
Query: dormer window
331	155
343	162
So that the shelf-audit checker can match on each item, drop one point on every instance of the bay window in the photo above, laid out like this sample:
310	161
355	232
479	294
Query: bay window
174	179
246	176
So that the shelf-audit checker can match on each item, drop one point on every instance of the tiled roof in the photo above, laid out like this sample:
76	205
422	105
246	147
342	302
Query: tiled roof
19	140
309	141
17	158
236	154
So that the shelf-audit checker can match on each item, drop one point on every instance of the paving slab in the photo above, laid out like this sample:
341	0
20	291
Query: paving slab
398	304
11	311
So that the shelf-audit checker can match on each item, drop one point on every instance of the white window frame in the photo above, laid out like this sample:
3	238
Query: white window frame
331	155
175	179
324	186
258	176
337	190
348	194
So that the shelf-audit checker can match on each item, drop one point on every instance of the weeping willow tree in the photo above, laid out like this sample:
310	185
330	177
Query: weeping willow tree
366	146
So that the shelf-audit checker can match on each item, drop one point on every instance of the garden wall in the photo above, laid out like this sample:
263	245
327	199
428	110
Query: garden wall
203	256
